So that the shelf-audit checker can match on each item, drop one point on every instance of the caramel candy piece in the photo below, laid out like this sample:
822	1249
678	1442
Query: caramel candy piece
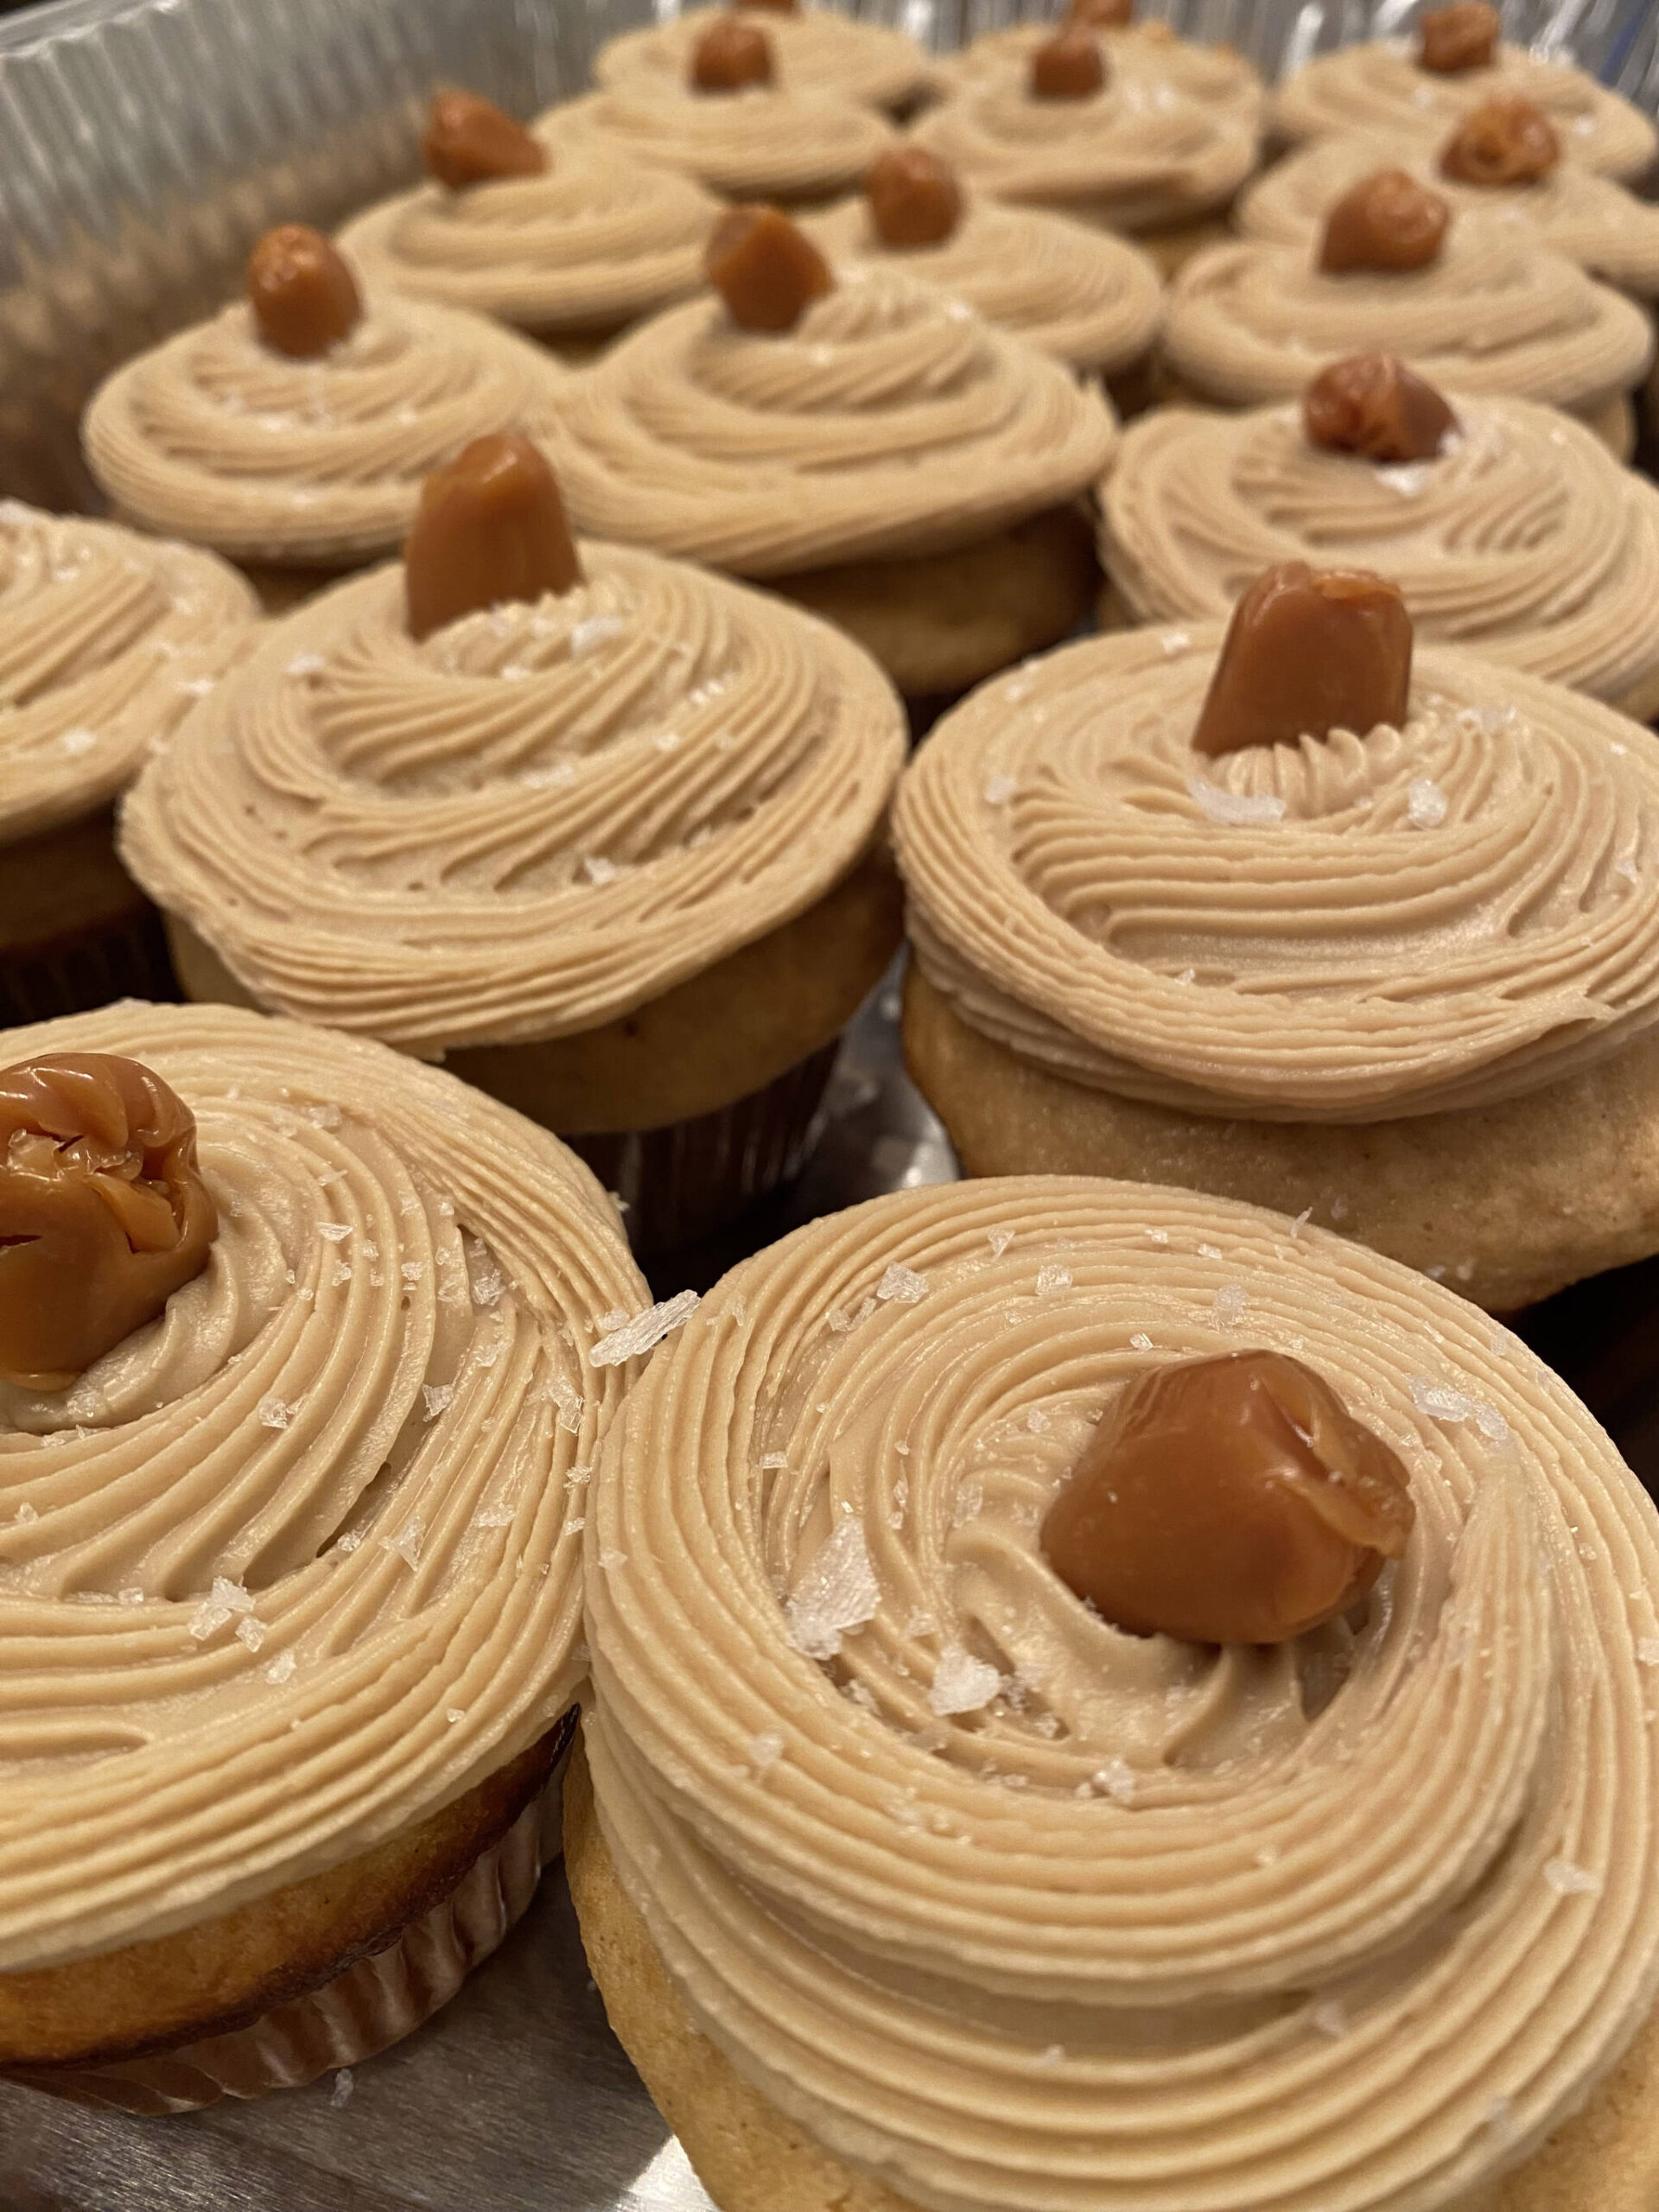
1068	66
1229	1501
1388	221
767	271
304	298
1372	403
1101	15
1307	652
490	527
103	1211
729	55
1460	38
914	197
1504	141
469	140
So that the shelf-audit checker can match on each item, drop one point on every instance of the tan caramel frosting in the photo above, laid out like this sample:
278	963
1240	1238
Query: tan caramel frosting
1523	539
530	824
1017	1913
815	49
1373	925
1217	76
1379	87
1573	211
107	640
595	241
890	420
1143	150
766	142
1492	313
297	1565
217	438
1089	299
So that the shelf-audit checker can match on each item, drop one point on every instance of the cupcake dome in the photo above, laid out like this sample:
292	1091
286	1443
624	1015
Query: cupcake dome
814	50
1003	1908
770	142
1215	75
297	1565
1525	540
107	640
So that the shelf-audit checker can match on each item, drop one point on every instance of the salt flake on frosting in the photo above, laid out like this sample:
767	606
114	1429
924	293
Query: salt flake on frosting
902	1285
961	1683
1234	809
1427	806
1439	1400
642	1330
837	1593
1570	1881
1231	1302
1049	1280
999	790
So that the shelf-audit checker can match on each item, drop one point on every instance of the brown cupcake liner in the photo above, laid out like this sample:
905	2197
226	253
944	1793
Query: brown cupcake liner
684	1182
126	958
365	2008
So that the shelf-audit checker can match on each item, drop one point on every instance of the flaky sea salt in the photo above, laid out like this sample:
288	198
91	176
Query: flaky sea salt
774	1459
493	1516
341	2095
335	1232
641	1332
1049	1279
408	1541
970	1503
612	1560
999	1240
438	1397
77	742
1036	1420
1426	804
251	1632
1647	1651
226	1601
598	869
1051	2056
1234	809
1231	1302
1439	1400
567	1399
587	636
1330	2018
25	1514
1570	1881
838	1592
484	1274
999	790
1114	1779
1141	1341
282	1670
765	1749
901	1286
961	1683
306	665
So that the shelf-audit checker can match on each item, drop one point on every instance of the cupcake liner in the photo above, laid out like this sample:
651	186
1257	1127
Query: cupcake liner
368	2006
126	958
682	1182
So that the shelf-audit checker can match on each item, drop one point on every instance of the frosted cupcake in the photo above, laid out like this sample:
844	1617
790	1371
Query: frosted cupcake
1418	87
923	1858
1303	922
817	50
292	431
861	441
1465	305
1092	301
107	640
569	247
601	830
1508	528
305	1353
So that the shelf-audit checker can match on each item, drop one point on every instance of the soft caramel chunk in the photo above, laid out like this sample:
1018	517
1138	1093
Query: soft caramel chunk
1460	38
1388	221
1372	403
1307	652
1505	141
102	1211
469	140
914	197
1101	15
304	296
490	528
1068	66
729	55
1229	1501
766	268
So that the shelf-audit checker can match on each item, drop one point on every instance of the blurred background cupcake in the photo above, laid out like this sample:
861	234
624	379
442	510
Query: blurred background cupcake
814	50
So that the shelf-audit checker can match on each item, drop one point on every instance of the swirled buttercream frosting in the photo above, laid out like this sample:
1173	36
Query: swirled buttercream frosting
814	50
1345	929
591	243
1215	75
528	823
891	420
767	142
1089	299
1141	151
1011	1909
1491	313
1571	211
1378	87
297	1565
107	640
1523	540
217	438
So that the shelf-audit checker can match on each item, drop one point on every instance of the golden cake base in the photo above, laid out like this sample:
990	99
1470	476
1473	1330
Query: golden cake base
1505	1203
751	2158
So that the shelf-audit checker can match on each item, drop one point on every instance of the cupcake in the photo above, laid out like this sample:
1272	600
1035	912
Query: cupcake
292	431
1298	920
1111	133
570	247
1139	1707
1415	89
1092	301
601	831
1508	527
305	1354
1216	75
1468	306
861	441
107	640
732	118
816	50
